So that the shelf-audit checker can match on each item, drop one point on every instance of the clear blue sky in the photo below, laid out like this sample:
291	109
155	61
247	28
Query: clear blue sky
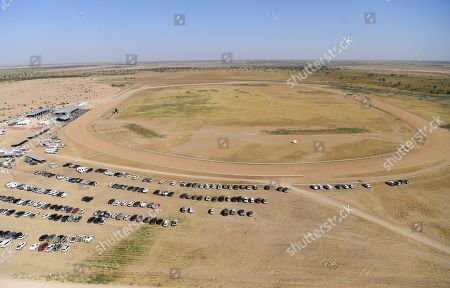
86	31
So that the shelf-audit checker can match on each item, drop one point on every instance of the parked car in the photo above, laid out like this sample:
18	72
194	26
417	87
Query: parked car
34	246
21	245
65	248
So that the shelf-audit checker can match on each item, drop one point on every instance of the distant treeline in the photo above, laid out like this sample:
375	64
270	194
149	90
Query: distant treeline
21	75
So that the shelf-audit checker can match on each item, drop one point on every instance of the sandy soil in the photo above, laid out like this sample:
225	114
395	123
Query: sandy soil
371	247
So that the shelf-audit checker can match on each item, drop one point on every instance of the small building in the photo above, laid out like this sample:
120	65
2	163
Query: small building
65	113
34	158
38	112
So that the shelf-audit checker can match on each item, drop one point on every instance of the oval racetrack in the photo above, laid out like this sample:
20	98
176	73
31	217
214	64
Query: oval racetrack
427	159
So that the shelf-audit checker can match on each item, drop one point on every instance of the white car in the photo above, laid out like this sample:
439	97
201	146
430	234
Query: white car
173	183
21	245
161	182
5	243
65	248
190	210
23	236
11	185
34	246
165	223
50	248
82	169
327	187
88	238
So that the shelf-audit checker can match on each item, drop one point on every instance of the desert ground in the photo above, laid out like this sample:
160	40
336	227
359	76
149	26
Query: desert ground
212	124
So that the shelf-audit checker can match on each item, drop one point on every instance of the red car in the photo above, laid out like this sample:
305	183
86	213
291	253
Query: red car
42	246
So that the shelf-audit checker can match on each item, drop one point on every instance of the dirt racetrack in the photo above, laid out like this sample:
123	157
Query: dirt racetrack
426	158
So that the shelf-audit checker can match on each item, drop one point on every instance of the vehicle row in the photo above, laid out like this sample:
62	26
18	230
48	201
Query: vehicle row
6	234
231	212
141	204
100	217
63	218
66	238
223	198
397	182
30	188
77	180
128	187
47	247
17	214
120	174
337	186
41	205
220	186
160	181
